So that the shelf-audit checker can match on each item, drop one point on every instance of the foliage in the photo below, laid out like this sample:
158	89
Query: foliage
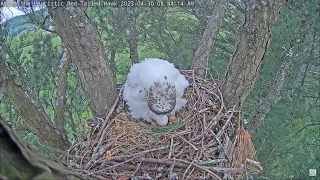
288	141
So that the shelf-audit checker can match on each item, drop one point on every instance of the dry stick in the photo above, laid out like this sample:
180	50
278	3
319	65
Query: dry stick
221	145
184	164
135	154
221	99
201	168
214	121
167	162
171	145
203	134
213	161
116	165
226	124
256	163
186	170
193	80
103	130
99	177
137	169
221	108
229	170
116	174
171	167
193	146
188	177
70	149
122	167
194	83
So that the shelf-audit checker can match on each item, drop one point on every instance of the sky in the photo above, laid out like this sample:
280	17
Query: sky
9	12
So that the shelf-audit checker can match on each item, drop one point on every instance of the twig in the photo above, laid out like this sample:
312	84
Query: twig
186	170
213	161
193	146
201	168
256	163
227	123
136	169
228	170
116	165
171	168
116	174
221	145
103	129
135	154
170	151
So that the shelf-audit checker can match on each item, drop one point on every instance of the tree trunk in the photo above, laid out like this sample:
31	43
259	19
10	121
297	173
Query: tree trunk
273	96
84	46
252	42
200	60
274	93
112	60
24	106
134	36
59	109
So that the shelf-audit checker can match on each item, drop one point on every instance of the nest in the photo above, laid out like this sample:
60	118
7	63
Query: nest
205	141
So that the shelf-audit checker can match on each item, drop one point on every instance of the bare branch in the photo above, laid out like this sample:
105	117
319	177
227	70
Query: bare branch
59	110
203	51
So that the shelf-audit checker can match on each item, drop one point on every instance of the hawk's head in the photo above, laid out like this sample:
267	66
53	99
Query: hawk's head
161	98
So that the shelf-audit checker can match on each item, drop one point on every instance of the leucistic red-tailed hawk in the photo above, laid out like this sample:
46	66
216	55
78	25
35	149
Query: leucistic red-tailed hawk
154	90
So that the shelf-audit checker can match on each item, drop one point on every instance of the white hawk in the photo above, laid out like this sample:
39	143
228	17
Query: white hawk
154	90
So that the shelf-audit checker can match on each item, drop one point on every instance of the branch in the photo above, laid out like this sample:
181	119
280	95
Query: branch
28	111
59	119
207	40
309	59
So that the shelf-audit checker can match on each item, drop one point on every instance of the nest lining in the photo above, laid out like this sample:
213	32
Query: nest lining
202	143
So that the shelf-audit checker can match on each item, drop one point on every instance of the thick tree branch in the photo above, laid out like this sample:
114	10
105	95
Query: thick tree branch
134	34
210	33
84	46
274	92
252	42
25	107
59	110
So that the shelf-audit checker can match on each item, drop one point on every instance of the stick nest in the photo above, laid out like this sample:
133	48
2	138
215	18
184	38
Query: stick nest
205	141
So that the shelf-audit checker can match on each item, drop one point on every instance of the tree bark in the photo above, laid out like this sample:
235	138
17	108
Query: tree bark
112	60
24	106
59	110
252	42
83	43
134	36
200	60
